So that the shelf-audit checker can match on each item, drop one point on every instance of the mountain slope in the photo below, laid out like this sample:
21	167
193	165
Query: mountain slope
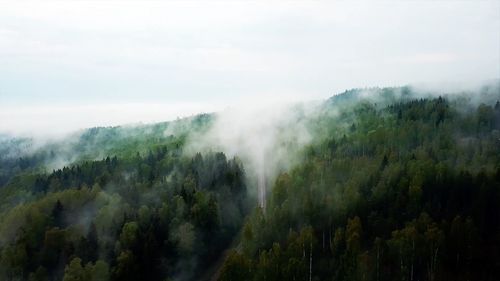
389	184
409	191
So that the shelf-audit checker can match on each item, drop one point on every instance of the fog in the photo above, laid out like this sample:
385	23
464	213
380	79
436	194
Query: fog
114	114
266	138
77	65
56	121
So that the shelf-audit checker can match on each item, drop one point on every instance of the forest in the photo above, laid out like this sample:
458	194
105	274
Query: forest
392	184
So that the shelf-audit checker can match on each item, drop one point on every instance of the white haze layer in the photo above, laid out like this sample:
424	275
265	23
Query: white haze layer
58	120
266	138
66	65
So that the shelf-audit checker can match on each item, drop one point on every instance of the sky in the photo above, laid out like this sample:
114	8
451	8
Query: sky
66	65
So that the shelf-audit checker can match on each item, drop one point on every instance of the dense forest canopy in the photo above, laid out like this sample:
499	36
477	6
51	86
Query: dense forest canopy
371	184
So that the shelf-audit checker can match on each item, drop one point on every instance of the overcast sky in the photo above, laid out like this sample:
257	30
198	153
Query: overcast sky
71	64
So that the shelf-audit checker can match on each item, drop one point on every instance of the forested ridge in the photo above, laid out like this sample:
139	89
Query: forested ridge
394	185
408	191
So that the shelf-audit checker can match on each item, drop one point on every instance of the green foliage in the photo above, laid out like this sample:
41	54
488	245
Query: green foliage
391	187
76	272
408	190
144	222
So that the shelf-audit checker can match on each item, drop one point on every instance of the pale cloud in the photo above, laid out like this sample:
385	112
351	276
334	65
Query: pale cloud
123	52
58	120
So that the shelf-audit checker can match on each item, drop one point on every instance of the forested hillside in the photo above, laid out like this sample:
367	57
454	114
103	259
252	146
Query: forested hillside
158	215
23	154
408	190
392	184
